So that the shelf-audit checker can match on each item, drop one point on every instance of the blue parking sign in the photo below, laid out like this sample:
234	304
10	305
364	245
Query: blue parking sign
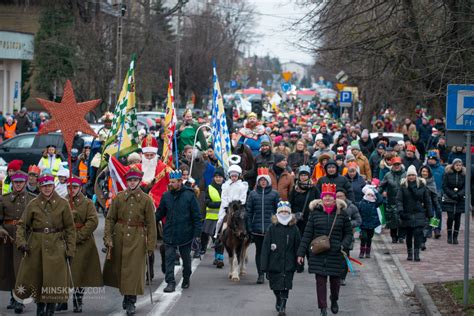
460	107
345	97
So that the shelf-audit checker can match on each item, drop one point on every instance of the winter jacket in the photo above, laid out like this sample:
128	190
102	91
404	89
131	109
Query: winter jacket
353	212
278	258
391	185
456	155
23	123
454	190
231	191
283	185
368	212
330	262
299	200
414	203
339	181
435	201
364	166
357	184
374	162
407	162
367	147
183	218
261	206
438	173
384	168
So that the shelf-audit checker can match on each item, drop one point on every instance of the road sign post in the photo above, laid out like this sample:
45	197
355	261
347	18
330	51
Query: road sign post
460	117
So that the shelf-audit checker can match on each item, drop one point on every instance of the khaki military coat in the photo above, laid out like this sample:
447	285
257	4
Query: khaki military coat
86	271
12	206
131	229
44	269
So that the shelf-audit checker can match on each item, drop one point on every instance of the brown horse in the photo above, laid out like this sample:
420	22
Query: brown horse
235	239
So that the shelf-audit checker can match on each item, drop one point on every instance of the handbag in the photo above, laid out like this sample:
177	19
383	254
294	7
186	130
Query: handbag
322	243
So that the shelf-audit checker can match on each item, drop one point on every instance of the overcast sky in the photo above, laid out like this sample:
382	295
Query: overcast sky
272	24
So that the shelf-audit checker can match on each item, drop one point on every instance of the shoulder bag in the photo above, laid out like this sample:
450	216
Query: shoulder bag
322	243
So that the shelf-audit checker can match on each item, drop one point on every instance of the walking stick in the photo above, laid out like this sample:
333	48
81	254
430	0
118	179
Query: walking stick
72	281
148	267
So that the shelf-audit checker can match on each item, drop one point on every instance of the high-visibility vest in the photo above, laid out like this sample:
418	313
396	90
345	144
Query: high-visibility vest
213	213
83	172
6	188
9	131
56	165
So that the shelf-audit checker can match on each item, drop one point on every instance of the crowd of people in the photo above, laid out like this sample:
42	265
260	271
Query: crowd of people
308	182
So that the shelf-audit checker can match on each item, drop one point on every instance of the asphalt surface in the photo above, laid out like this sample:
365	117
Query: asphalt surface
212	293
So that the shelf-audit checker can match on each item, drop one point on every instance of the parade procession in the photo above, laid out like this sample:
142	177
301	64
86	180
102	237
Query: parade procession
194	157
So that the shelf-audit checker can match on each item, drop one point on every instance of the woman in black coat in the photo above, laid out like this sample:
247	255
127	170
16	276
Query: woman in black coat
414	207
331	262
278	259
426	173
356	180
453	197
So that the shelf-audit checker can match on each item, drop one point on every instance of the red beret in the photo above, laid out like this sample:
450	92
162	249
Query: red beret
15	165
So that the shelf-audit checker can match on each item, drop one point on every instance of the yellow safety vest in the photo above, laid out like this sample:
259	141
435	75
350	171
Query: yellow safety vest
6	188
56	165
213	213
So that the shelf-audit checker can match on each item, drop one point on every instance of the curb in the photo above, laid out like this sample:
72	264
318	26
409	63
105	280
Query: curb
419	290
426	301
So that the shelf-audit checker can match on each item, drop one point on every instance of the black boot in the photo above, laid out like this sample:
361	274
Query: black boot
40	309
367	252
19	308
50	307
334	306
455	237
417	254
171	287
324	312
12	303
132	299
61	307
423	246
261	279
125	302
77	301
282	310
278	301
410	254
185	283
450	236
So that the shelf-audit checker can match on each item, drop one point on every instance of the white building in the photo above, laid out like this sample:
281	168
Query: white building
14	47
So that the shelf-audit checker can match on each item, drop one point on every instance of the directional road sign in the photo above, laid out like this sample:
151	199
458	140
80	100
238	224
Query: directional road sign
285	86
460	107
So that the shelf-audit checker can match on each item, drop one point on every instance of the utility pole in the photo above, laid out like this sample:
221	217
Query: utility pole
178	55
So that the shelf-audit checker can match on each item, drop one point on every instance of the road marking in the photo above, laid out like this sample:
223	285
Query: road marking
168	300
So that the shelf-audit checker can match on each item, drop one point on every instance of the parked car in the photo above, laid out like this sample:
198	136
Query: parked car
391	136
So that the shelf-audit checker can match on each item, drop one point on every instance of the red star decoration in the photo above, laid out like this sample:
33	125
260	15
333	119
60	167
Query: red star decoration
68	116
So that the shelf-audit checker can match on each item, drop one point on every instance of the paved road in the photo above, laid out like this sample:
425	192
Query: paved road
212	293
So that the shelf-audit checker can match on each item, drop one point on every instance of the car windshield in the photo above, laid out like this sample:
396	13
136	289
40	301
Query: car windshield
25	141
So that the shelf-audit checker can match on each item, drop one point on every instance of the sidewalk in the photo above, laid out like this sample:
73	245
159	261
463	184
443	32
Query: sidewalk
440	262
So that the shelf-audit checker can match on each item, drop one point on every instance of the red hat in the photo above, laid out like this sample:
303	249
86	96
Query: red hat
396	160
134	173
34	169
74	181
149	144
328	189
411	148
15	165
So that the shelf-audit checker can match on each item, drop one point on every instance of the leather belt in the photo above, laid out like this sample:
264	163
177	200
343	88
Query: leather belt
11	222
132	224
78	225
47	230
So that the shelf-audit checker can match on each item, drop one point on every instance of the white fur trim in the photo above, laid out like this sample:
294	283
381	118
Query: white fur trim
150	150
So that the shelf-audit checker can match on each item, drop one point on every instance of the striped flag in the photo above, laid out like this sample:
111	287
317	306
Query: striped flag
170	125
123	137
220	131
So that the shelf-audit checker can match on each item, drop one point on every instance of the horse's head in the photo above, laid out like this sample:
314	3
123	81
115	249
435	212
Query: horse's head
237	216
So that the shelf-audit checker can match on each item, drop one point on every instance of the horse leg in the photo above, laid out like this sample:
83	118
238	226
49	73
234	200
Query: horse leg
243	259
231	262
235	266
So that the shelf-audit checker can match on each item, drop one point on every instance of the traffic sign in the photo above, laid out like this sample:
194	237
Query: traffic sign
345	97
460	107
287	75
285	86
233	84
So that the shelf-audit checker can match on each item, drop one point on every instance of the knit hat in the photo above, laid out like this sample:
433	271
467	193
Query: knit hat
369	193
319	136
350	157
63	173
263	172
234	169
264	140
365	133
339	157
284	206
381	146
325	142
133	157
355	146
455	161
330	163
15	165
219	172
278	158
324	156
304	169
411	171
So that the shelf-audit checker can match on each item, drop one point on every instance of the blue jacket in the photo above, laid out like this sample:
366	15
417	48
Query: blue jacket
453	155
183	218
438	173
358	183
261	206
368	212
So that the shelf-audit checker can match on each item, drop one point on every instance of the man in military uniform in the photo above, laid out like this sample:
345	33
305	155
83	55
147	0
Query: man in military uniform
12	206
129	235
183	224
85	267
47	238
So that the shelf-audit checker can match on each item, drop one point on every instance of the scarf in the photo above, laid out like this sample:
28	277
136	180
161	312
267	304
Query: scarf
329	210
284	219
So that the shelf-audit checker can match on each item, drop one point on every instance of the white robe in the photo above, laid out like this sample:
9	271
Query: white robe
231	191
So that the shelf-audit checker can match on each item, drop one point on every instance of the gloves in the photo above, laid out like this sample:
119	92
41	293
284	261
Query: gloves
24	249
